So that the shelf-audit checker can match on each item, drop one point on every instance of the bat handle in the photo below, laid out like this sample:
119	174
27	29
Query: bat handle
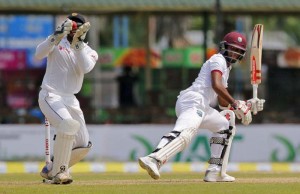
255	87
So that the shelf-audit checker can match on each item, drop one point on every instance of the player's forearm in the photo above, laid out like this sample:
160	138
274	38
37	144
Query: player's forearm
222	102
86	59
43	49
224	95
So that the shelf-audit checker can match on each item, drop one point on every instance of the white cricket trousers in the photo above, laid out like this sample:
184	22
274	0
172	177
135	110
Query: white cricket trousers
57	107
186	107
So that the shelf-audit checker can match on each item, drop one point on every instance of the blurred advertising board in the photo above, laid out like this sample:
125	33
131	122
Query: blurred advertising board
191	57
21	86
289	58
253	143
12	59
183	57
25	32
173	57
136	57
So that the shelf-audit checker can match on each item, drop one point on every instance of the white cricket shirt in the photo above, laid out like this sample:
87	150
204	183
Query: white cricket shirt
65	66
202	83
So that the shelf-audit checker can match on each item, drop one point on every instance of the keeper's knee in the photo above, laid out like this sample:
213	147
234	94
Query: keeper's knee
68	127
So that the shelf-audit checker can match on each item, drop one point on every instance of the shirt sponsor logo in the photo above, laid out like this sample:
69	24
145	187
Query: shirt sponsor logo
63	49
200	113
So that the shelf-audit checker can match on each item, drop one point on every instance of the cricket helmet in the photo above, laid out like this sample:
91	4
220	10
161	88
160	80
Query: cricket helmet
233	47
77	18
77	21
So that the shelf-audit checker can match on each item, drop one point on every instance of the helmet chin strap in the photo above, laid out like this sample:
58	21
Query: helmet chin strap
230	60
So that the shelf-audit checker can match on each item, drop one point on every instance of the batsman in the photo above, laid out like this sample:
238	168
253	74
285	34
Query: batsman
194	111
69	58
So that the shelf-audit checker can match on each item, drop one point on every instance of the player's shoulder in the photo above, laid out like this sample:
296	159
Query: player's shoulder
218	59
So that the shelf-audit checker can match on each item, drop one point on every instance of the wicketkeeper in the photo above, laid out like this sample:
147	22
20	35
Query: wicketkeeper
68	59
194	112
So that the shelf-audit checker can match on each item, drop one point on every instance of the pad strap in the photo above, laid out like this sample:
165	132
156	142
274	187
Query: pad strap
217	161
226	131
221	141
176	145
166	139
218	140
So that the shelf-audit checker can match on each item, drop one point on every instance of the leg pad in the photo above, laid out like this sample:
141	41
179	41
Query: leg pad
63	145
78	154
176	145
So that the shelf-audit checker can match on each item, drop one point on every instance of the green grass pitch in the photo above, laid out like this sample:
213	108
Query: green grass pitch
141	183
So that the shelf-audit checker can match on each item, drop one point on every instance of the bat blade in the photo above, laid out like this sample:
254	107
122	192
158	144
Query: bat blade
256	54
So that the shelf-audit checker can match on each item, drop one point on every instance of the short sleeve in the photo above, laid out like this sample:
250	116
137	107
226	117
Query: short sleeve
217	63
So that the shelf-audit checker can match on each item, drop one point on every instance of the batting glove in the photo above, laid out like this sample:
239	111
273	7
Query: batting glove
62	30
79	36
242	111
256	105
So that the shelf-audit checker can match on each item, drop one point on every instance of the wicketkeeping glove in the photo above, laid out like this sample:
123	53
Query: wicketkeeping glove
61	31
242	111
256	105
79	36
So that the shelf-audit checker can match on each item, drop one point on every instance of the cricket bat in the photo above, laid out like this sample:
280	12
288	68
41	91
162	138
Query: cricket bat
255	59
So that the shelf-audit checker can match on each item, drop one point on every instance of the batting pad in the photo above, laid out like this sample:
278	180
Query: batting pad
175	146
230	116
63	145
